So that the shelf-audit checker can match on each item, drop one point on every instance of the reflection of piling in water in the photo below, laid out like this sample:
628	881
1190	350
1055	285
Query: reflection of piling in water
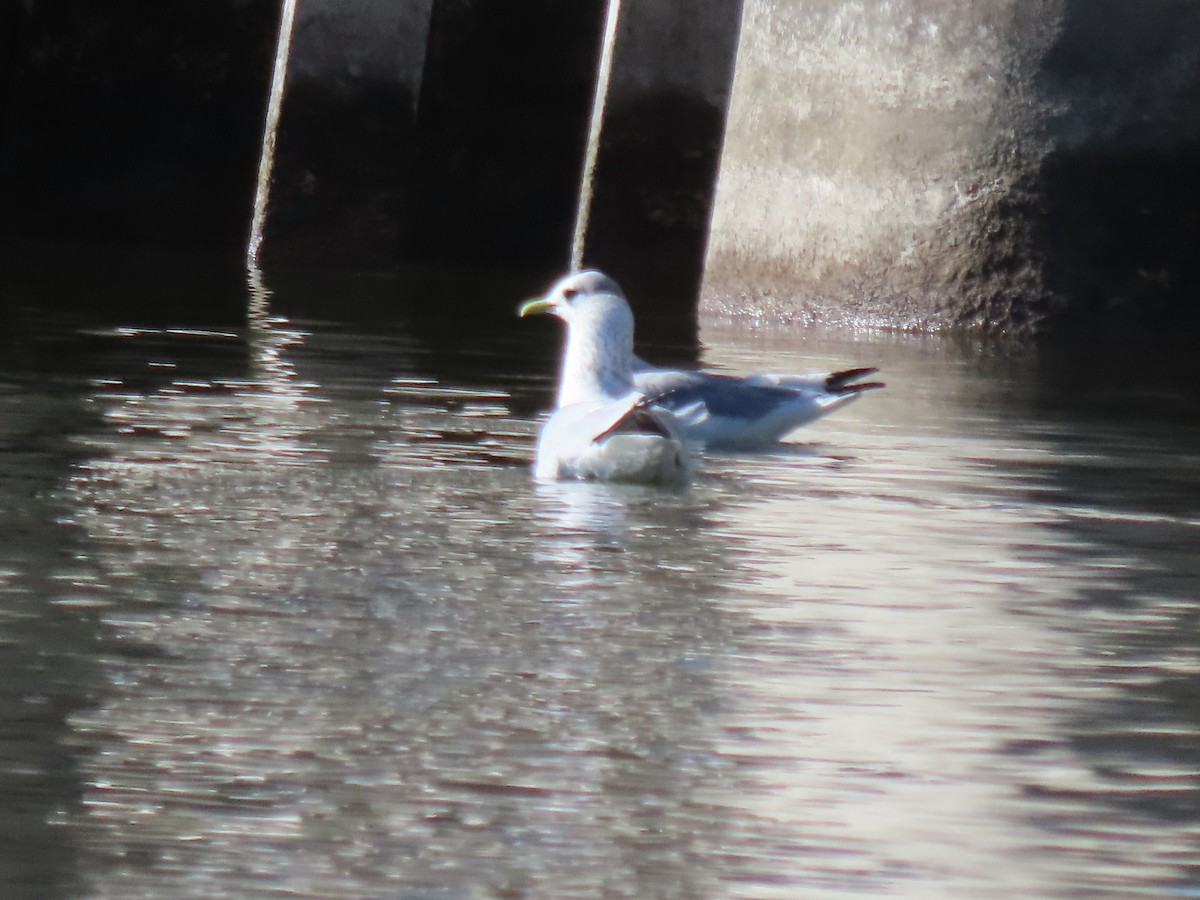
268	338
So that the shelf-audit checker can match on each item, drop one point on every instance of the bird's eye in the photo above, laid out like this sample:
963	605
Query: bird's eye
568	293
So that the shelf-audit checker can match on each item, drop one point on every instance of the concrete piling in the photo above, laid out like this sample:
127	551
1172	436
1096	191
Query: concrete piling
659	152
341	178
1003	166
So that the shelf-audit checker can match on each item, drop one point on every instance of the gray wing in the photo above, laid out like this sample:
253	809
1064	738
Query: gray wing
725	396
752	411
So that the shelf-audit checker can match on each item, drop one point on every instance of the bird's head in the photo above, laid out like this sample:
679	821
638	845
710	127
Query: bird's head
598	357
583	296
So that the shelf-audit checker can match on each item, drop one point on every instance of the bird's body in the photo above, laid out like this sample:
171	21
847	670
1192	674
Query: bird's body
749	412
603	428
620	440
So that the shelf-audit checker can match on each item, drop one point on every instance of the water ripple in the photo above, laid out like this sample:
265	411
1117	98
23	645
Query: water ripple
321	634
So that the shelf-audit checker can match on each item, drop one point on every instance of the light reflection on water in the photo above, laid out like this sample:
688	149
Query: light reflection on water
314	630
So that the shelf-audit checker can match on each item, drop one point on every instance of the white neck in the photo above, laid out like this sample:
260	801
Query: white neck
598	359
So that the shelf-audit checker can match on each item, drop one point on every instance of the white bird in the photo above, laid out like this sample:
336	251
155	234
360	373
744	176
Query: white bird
719	411
603	428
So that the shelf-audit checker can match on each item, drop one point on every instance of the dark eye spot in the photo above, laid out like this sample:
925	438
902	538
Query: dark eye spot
568	293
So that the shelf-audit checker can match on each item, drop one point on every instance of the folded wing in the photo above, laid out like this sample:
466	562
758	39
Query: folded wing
726	411
624	440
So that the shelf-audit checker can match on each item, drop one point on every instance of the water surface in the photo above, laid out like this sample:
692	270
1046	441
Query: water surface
281	612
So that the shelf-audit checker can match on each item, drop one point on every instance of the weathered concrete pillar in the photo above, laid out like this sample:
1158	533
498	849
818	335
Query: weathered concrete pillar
1118	225
659	151
433	133
500	133
340	184
924	164
870	148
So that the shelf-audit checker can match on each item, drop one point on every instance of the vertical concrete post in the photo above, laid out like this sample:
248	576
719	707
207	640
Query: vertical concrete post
946	163
266	159
870	149
660	147
500	132
340	183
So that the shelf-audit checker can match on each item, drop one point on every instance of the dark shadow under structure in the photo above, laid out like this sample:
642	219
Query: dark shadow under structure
139	127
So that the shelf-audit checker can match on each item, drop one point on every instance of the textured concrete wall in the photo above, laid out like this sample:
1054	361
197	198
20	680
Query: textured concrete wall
1118	194
924	163
869	148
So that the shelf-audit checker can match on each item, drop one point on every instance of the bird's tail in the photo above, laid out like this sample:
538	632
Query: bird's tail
843	382
847	381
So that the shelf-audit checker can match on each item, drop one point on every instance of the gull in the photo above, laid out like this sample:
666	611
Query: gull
718	411
603	427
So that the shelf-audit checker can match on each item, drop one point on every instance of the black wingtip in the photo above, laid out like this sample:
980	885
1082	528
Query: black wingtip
846	381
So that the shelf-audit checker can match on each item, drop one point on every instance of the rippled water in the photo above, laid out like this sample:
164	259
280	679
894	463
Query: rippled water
282	613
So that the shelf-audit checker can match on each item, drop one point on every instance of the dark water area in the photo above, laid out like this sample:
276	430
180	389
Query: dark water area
282	612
